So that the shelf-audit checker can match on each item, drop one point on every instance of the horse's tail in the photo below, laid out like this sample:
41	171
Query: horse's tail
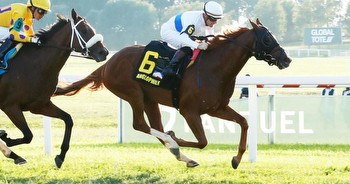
95	78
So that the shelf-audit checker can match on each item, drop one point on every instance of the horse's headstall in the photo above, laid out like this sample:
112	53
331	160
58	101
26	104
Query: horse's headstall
265	43
266	57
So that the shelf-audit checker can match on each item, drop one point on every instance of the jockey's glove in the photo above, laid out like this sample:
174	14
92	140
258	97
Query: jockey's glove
203	46
35	40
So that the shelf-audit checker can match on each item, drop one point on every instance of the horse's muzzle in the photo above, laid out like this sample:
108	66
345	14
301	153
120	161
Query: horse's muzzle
101	55
284	63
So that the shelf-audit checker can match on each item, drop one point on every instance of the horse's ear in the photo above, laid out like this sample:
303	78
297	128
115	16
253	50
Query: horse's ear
74	14
258	22
253	24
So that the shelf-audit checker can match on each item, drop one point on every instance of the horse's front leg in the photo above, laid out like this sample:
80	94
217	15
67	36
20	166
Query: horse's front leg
52	110
9	153
16	116
229	114
154	117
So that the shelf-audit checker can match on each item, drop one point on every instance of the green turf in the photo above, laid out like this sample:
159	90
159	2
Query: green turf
109	162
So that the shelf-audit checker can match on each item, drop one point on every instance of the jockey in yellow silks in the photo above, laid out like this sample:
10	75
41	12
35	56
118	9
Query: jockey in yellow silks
16	22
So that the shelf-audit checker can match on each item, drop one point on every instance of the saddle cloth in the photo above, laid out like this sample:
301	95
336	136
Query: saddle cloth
156	56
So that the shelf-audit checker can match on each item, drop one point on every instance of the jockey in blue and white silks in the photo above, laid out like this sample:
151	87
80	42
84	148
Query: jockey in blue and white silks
178	29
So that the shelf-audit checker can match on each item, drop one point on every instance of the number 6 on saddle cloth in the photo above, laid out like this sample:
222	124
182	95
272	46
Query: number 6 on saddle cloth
155	57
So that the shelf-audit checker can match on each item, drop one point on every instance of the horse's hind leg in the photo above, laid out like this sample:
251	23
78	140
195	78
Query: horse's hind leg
154	117
10	154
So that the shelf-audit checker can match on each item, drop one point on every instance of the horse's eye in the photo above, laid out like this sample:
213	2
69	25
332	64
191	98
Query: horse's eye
84	31
267	41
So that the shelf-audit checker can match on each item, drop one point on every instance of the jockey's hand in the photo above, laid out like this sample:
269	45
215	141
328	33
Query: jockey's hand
35	40
203	46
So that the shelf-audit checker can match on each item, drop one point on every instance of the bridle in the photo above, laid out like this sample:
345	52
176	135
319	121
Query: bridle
264	46
85	45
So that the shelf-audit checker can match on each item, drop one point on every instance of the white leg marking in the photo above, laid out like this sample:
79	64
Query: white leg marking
4	149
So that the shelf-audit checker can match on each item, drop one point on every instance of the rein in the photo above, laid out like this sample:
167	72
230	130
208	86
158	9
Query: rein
205	38
259	53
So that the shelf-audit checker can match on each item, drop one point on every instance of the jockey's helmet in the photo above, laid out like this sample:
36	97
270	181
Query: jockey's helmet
213	9
42	4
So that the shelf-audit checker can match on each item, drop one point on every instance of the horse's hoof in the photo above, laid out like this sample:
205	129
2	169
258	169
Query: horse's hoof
234	163
192	164
20	161
58	161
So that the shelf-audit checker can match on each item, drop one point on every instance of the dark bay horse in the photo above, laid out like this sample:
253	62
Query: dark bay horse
206	88
33	73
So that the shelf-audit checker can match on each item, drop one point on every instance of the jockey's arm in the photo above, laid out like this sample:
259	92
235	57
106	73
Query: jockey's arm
187	41
21	29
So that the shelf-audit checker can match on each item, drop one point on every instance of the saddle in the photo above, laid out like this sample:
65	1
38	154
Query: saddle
156	56
9	55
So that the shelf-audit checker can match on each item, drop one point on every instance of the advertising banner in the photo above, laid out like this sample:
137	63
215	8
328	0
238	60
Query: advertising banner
322	36
295	119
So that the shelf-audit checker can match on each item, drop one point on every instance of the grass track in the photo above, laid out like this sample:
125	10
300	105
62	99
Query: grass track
151	163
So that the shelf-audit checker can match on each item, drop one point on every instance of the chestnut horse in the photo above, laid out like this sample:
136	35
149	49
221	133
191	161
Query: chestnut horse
32	76
206	88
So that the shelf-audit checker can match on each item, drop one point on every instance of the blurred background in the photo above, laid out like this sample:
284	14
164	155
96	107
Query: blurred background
126	22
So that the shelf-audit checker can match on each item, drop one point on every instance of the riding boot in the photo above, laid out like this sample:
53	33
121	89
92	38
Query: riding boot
6	46
170	69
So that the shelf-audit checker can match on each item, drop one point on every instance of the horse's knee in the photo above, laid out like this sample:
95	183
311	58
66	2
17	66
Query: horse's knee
28	138
202	144
68	121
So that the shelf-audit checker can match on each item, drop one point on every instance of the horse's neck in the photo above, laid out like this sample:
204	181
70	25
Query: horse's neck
59	46
242	50
232	56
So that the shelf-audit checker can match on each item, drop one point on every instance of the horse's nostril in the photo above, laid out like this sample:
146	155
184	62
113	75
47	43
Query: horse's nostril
103	52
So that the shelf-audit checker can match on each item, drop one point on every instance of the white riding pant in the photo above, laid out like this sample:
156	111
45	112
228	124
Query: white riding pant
4	33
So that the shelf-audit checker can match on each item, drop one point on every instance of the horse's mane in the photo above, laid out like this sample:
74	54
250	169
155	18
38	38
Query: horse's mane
228	32
45	34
